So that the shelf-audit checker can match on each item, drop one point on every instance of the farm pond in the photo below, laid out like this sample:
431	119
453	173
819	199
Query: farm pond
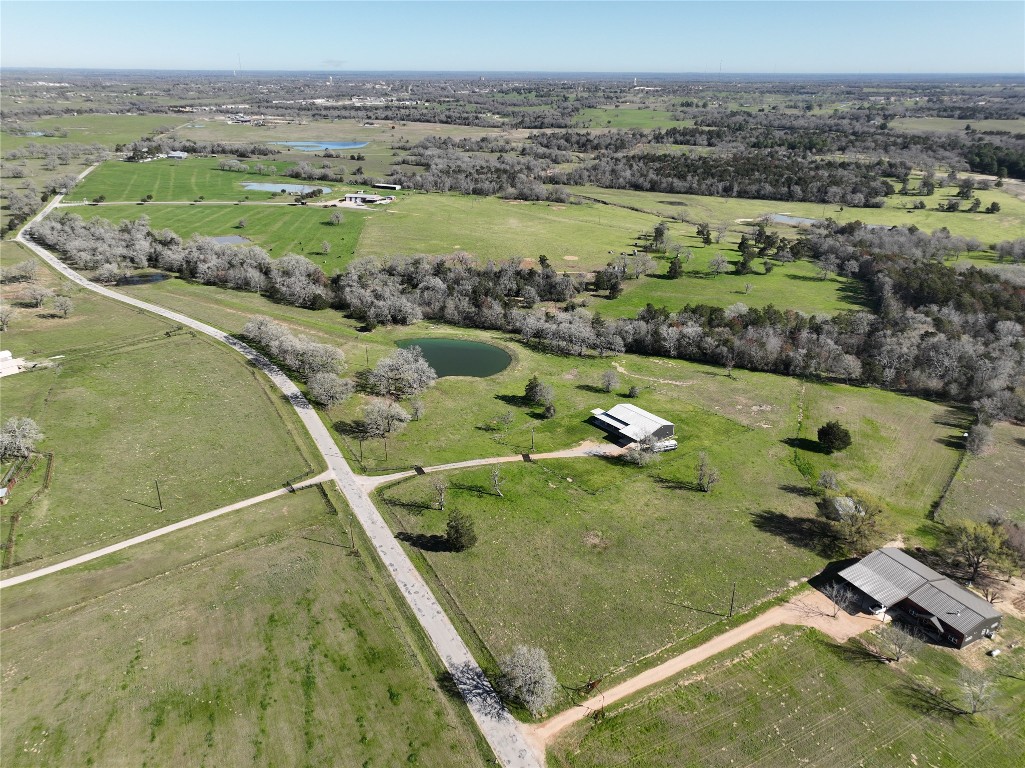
457	357
288	189
315	146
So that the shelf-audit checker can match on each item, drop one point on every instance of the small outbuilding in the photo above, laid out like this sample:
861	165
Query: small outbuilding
366	198
632	423
929	600
177	155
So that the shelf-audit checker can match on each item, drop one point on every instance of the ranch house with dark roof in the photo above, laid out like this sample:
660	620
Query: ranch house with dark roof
931	601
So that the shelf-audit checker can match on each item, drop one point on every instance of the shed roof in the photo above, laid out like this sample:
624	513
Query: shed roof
629	420
890	575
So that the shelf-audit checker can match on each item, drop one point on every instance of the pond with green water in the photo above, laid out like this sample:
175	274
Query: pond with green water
457	357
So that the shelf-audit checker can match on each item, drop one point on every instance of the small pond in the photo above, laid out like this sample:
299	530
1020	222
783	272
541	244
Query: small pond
290	189
230	239
456	357
152	277
317	146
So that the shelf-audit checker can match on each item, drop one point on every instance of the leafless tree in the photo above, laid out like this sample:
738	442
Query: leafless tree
840	595
720	231
329	389
18	437
417	407
708	475
980	440
6	315
496	481
325	247
898	641
440	486
403	373
719	264
828	481
336	218
63	305
976	690
36	295
609	381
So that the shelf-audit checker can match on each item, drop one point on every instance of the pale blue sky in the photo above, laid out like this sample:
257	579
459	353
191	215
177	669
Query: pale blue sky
827	36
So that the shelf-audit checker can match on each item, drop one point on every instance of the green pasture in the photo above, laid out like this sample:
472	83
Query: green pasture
184	181
989	228
108	130
250	640
573	237
791	696
795	285
126	401
277	229
991	484
952	125
625	118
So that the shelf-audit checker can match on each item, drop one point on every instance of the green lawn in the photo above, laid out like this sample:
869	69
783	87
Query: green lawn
625	118
123	405
184	180
573	237
792	697
108	130
279	230
991	484
251	640
953	125
988	228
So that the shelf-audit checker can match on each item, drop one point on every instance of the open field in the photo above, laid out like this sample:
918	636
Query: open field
953	125
988	228
279	230
991	484
256	641
108	130
132	402
183	181
625	118
793	697
573	237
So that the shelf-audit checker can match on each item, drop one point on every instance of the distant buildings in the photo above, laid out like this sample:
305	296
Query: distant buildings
366	198
931	601
177	155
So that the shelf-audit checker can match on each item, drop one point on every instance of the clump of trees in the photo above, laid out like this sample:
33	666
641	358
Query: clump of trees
298	353
19	436
527	678
404	373
329	389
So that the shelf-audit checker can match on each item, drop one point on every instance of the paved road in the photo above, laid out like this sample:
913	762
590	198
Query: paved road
97	553
502	732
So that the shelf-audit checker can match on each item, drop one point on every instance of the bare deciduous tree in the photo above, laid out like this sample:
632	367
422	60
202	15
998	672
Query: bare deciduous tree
440	486
976	689
329	389
403	373
36	295
6	315
496	481
18	437
708	475
609	381
898	641
63	306
840	595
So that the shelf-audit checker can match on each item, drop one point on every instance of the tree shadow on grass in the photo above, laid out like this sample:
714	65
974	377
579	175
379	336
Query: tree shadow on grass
416	507
425	542
854	652
929	701
808	533
671	484
518	401
804	444
591	388
799	490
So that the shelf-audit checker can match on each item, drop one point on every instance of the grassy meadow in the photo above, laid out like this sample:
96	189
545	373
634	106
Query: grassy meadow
791	696
991	484
624	118
124	401
107	130
253	639
953	125
277	229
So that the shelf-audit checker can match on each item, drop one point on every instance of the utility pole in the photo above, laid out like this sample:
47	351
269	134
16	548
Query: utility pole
160	502
733	599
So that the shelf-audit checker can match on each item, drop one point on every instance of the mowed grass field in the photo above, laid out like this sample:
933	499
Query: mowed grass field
793	697
253	639
108	130
277	229
184	181
988	228
573	237
625	118
123	406
991	484
952	125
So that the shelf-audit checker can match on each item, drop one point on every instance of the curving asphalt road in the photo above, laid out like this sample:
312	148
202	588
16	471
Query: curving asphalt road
502	732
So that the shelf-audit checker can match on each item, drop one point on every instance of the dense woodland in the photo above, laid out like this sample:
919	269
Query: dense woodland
936	330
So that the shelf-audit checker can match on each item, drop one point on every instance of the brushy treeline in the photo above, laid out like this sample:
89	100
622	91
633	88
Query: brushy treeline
936	330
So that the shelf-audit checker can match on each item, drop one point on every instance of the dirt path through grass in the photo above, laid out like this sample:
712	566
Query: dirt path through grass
811	609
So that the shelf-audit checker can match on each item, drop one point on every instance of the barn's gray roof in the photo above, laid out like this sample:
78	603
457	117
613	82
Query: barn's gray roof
889	575
636	423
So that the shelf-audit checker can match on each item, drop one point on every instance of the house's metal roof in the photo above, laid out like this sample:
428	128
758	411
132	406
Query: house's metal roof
629	420
889	575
